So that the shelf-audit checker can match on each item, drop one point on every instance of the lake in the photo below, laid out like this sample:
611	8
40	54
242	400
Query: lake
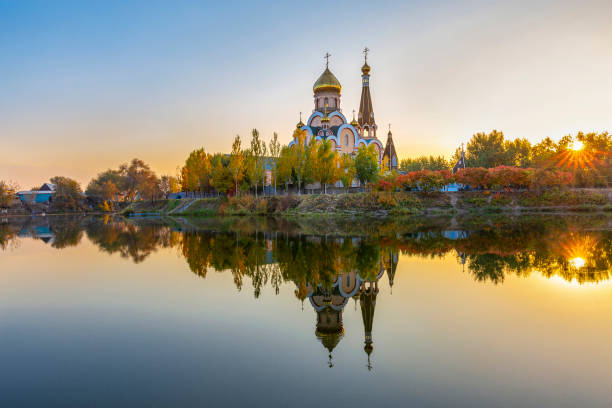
491	311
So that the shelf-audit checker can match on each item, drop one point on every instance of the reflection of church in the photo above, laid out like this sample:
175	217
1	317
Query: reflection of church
327	122
329	304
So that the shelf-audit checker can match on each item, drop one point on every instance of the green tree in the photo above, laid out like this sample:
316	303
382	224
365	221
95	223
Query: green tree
258	151
347	170
236	162
274	149
425	163
326	168
284	166
366	164
518	153
486	150
299	151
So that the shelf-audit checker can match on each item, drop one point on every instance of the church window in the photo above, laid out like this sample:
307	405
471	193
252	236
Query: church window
346	140
348	280
326	102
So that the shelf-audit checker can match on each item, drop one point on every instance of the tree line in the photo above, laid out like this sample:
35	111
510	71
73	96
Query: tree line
587	156
247	169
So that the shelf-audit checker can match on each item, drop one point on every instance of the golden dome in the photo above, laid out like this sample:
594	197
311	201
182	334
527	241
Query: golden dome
325	118
326	82
365	69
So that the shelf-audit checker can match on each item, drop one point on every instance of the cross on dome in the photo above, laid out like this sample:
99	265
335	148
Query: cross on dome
327	55
365	52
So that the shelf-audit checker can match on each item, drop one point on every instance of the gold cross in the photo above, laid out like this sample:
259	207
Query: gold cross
327	55
365	52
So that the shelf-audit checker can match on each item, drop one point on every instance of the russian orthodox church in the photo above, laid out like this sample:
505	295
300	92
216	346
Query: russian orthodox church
327	122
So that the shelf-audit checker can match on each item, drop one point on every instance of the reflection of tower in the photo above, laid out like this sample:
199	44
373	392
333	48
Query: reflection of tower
390	260
367	301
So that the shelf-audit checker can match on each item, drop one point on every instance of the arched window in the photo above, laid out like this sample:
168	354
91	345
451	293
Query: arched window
326	102
346	140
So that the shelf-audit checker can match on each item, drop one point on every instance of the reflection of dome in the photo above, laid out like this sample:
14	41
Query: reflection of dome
329	339
326	82
368	348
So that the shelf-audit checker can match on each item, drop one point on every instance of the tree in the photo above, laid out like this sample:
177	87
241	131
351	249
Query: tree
98	187
68	194
274	149
7	192
311	153
148	187
109	190
366	164
425	163
168	184
486	150
518	153
236	162
196	172
134	175
543	153
299	137
326	169
221	174
258	148
347	170
284	166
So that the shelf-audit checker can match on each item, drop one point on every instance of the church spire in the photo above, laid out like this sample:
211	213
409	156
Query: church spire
390	155
366	111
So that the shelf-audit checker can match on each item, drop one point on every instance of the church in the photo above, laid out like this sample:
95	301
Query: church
327	122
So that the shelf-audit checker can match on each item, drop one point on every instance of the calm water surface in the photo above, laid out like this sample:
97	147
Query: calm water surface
152	312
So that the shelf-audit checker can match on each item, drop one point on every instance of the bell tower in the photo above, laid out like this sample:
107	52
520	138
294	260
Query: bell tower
367	124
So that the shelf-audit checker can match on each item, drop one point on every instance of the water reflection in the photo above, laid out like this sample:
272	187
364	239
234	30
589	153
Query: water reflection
275	251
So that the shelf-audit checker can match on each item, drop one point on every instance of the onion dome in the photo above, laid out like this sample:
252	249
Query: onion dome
354	122
325	118
365	69
299	125
327	82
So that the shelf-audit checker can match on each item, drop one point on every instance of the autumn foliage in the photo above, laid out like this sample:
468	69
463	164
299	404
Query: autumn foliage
479	178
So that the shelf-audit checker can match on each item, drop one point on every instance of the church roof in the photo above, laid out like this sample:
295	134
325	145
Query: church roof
390	149
327	81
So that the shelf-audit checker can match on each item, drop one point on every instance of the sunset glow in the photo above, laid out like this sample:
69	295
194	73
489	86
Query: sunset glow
577	146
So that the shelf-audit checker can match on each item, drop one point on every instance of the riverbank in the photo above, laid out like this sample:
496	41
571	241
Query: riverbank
383	204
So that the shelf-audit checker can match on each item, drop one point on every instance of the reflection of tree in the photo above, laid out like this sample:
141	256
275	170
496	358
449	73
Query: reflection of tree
7	236
132	241
274	251
67	233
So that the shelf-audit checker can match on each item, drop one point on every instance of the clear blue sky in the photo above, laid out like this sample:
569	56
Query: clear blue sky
88	85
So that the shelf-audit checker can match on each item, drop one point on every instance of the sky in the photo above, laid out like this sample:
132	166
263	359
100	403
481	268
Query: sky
86	86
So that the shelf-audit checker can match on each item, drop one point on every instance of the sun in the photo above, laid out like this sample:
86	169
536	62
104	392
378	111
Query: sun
577	262
577	145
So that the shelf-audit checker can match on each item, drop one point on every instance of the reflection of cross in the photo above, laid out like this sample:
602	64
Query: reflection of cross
389	128
327	55
300	116
365	52
353	114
